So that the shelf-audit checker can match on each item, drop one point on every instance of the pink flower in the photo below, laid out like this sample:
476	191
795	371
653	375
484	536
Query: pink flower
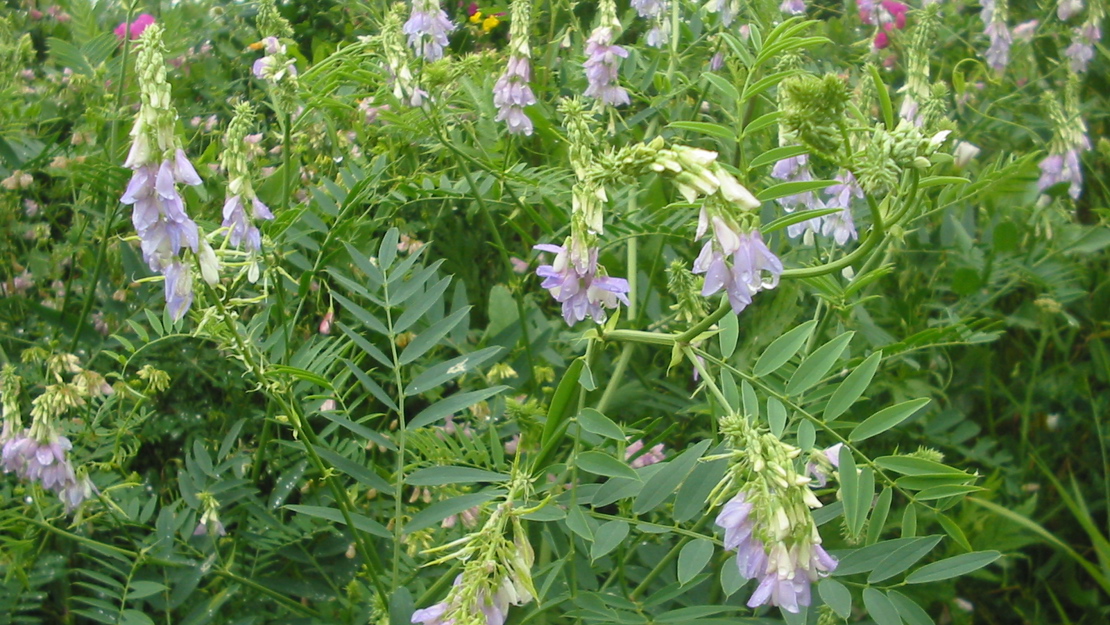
137	27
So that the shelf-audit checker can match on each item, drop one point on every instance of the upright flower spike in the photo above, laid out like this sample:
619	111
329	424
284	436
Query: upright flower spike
511	93
240	192
160	164
603	59
917	89
994	16
427	29
405	87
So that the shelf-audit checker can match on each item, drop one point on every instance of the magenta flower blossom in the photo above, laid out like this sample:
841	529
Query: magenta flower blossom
427	29
603	67
137	27
580	290
511	94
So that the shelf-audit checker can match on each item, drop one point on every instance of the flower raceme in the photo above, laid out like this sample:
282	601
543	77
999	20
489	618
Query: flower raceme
603	67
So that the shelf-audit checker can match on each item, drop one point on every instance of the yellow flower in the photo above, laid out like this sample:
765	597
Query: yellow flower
477	17
490	23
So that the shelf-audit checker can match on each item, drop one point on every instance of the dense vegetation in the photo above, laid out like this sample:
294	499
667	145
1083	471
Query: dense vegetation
656	311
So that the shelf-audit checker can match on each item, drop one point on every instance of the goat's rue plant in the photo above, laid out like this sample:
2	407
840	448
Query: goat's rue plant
591	315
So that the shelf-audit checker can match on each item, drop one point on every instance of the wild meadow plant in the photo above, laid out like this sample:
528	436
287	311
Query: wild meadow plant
635	312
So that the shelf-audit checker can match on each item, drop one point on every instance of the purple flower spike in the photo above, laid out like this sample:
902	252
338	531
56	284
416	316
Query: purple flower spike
511	94
603	68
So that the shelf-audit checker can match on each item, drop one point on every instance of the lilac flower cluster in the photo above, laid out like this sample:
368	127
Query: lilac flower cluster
1063	167
162	224
603	67
578	285
796	169
784	572
240	190
994	26
754	267
38	454
649	457
1082	48
840	226
427	29
1065	9
656	11
793	7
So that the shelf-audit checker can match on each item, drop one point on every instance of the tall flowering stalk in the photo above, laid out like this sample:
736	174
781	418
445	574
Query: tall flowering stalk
511	93
994	16
767	521
574	278
603	59
427	29
405	87
240	191
917	89
160	164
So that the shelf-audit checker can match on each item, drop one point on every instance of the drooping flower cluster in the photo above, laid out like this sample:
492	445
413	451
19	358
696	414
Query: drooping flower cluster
38	453
576	281
603	57
427	29
656	12
768	522
160	164
240	191
729	208
1068	143
511	93
994	16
